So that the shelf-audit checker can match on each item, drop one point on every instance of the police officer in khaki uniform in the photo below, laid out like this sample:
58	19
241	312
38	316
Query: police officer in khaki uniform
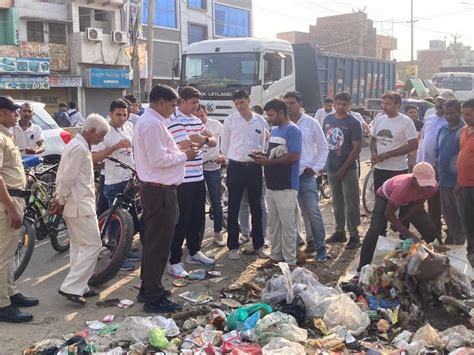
12	204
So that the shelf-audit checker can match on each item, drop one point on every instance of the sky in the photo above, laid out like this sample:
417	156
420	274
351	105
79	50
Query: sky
435	19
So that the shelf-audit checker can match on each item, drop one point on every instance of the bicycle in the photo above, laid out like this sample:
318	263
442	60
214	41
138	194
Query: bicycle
117	227
38	224
368	191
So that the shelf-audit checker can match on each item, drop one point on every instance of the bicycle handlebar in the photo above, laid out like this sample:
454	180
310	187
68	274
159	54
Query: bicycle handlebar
121	164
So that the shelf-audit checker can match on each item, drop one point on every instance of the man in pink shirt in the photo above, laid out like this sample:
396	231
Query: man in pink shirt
160	166
407	192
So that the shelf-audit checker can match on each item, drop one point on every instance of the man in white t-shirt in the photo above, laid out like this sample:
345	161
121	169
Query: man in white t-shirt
394	136
75	116
212	160
28	136
117	144
328	108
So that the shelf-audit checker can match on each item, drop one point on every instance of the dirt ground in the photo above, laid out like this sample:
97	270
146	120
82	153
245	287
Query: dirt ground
56	317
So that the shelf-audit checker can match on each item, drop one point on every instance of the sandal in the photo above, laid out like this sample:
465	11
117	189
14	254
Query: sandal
243	239
73	298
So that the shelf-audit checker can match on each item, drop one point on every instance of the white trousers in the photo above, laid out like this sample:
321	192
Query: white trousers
282	227
85	243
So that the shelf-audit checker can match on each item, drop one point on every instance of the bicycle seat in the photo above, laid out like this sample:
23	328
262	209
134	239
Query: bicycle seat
30	161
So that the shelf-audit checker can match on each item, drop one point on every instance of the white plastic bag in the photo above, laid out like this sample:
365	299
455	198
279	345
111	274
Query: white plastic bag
344	311
279	325
385	245
285	269
281	346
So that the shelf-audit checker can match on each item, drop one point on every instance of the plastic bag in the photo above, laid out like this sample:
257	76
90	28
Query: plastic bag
345	312
236	319
281	346
457	337
248	329
137	329
316	299
429	336
279	325
168	324
288	282
385	245
158	338
367	275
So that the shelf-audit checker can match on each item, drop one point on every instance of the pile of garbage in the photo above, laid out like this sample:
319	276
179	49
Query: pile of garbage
380	311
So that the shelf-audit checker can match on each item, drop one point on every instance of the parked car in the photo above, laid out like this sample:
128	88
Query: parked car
55	137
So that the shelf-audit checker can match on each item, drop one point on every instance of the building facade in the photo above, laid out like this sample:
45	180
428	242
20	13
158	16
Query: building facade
350	34
178	23
55	51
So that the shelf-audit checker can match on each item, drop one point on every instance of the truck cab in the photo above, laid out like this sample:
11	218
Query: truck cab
460	83
218	68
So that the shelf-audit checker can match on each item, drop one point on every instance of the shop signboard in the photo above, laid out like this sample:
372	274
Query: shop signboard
13	82
108	78
30	66
65	82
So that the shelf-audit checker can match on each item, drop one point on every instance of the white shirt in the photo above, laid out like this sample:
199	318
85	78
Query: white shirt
76	117
429	112
27	138
210	154
75	187
429	135
321	114
241	137
157	157
114	174
314	150
133	118
359	118
391	134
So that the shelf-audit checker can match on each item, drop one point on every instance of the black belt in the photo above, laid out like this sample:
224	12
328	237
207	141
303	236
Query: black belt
155	184
17	193
243	163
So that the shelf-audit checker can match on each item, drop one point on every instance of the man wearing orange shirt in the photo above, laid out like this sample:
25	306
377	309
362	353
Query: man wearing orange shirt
465	166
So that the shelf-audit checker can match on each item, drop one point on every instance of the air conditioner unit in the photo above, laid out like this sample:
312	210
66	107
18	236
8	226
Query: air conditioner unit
94	34
119	37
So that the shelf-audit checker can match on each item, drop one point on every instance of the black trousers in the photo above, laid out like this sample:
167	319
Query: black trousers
191	202
421	221
239	177
380	176
159	218
434	210
467	201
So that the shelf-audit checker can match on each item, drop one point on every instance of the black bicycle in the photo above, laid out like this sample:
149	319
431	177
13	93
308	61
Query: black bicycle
324	187
117	227
38	223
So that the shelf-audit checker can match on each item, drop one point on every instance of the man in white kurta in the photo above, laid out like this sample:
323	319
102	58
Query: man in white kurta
75	194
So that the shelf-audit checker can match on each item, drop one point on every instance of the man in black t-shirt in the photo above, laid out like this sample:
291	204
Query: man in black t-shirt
344	135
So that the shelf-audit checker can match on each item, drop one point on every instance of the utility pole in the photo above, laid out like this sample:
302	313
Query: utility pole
412	33
149	38
455	48
135	27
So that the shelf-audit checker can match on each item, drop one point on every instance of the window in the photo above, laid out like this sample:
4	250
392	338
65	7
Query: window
57	33
197	33
84	18
272	67
197	4
232	22
34	31
165	13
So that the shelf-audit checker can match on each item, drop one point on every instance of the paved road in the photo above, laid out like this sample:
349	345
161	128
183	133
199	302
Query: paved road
55	316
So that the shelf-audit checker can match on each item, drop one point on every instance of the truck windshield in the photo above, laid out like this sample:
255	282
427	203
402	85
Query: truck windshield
220	69
452	82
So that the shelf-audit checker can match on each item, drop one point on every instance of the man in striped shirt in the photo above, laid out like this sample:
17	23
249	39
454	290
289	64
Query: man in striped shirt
187	130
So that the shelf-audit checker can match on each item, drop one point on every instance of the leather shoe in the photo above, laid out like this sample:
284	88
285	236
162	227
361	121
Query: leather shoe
73	298
19	300
141	295
12	314
90	293
164	305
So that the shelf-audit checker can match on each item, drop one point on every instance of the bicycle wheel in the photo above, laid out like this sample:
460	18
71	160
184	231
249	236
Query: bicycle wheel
59	236
325	189
368	193
49	178
116	243
25	248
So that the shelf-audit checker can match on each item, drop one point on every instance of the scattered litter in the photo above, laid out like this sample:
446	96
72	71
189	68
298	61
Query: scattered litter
217	280
196	297
95	324
180	282
112	302
199	274
214	273
125	303
229	302
108	318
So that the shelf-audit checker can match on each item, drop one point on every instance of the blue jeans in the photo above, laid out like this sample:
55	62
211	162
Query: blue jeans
213	183
308	200
111	191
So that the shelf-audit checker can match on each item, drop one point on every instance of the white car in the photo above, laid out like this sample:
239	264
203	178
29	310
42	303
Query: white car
55	138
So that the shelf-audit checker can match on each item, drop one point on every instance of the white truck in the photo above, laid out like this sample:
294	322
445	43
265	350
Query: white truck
268	68
460	83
